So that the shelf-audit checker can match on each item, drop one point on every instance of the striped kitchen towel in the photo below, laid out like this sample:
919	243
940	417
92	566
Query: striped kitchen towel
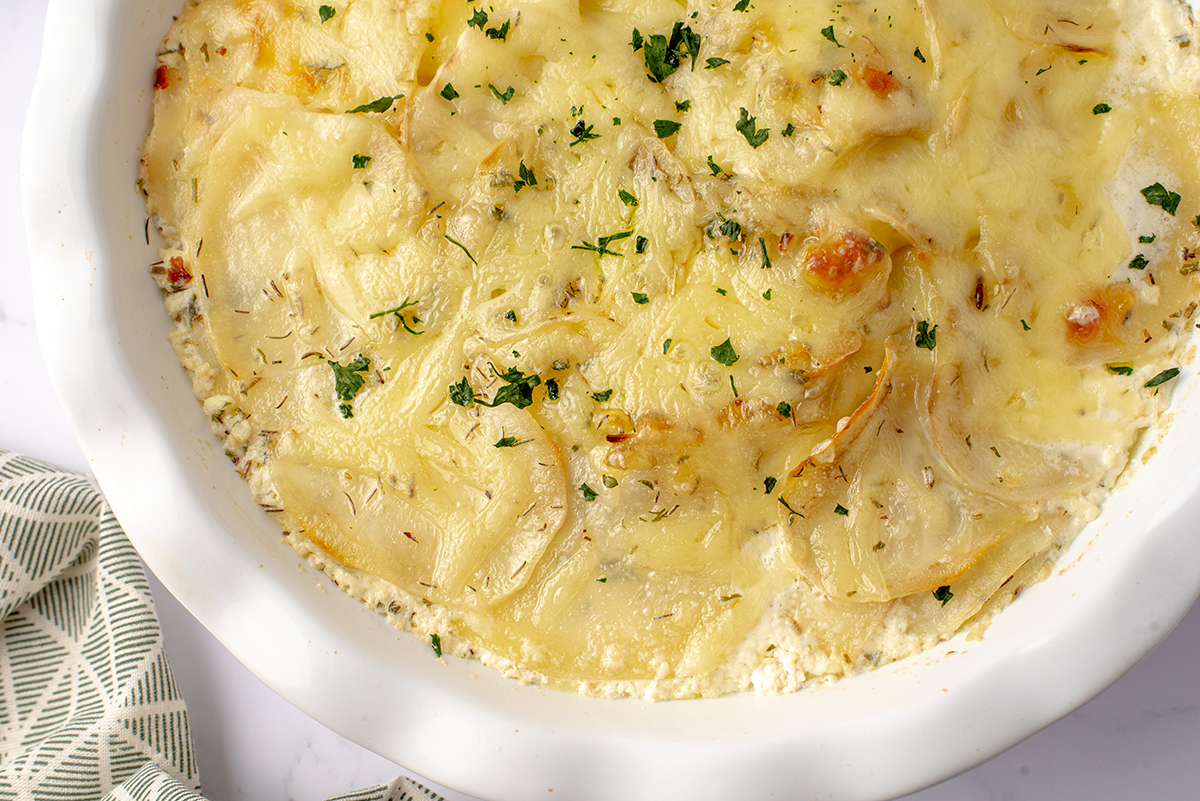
88	706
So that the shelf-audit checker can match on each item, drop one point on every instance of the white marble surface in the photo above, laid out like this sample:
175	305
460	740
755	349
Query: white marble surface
1139	739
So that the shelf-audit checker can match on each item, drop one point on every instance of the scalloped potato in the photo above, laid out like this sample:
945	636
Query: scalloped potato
672	349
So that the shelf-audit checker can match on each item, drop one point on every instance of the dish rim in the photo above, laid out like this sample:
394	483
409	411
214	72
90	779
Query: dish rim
927	718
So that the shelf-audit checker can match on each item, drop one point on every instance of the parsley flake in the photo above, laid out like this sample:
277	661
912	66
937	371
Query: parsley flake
602	244
1139	262
789	130
1162	378
724	353
841	510
602	397
589	494
766	265
504	96
682	105
505	442
943	594
640	298
500	33
640	244
627	198
767	294
637	41
1124	368
449	92
926	337
461	247
1101	108
746	127
375	106
478	19
461	393
784	409
326	13
527	178
1025	325
712	165
436	643
665	128
347	382
1146	240
742	5
918	55
837	78
714	62
731	229
829	34
360	161
769	484
1159	195
663	56
667	345
582	132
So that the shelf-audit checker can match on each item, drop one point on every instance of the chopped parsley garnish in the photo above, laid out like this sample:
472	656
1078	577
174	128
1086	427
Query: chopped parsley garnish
478	19
769	484
943	594
682	105
841	510
640	298
504	96
449	92
398	311
1124	368
714	62
733	386
746	127
616	120
791	511
602	244
326	13
375	106
829	34
347	382
552	388
637	41
1162	378
789	130
1025	325
667	345
712	165
767	294
582	132
721	292
505	442
784	408
1139	262
602	579
518	390
1146	240
879	546
436	642
665	128
609	481
589	494
527	178
428	36
918	55
1159	195
663	55
627	198
360	161
461	247
731	229
511	316
766	265
602	397
926	336
500	33
837	77
640	244
1101	108
742	5
1043	69
461	393
724	353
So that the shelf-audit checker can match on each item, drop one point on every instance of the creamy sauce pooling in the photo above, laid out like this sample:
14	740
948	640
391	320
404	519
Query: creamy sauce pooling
673	349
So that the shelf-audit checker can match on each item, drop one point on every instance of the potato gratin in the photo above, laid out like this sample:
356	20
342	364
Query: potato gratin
679	348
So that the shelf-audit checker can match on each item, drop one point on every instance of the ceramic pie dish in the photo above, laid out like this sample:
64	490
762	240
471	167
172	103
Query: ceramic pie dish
1127	579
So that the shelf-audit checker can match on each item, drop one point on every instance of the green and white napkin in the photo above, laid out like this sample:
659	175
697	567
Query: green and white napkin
88	706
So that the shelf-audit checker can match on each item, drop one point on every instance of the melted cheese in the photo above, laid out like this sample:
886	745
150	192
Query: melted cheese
822	322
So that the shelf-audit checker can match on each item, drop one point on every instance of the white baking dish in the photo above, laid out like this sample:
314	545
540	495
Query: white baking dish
1125	583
